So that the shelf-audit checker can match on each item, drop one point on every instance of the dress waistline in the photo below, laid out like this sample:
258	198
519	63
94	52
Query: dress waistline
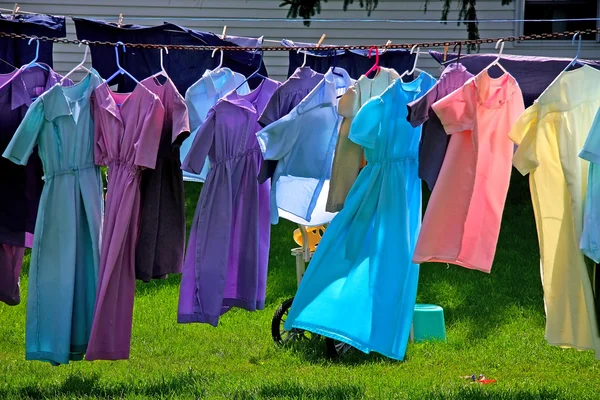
68	171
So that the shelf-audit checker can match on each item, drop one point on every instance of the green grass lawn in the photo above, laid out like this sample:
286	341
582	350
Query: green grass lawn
495	326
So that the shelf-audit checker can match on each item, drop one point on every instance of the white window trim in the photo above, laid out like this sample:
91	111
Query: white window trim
519	28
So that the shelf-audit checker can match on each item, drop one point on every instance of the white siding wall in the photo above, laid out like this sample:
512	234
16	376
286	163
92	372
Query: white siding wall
67	56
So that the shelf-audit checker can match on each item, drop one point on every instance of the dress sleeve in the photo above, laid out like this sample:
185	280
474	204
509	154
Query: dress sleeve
148	141
278	139
365	126
272	111
26	137
181	120
457	110
418	110
203	142
591	148
524	134
349	103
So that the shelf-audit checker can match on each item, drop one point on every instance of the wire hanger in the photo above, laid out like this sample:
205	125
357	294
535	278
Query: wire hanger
34	62
81	64
414	67
457	59
120	69
255	73
213	56
576	59
496	62
376	67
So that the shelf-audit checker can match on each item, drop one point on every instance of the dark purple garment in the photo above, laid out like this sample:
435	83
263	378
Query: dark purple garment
533	74
183	66
355	62
286	97
161	240
20	186
11	259
434	140
16	51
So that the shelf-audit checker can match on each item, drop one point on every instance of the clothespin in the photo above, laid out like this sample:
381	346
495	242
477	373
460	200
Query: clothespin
387	44
224	32
15	10
446	51
320	42
120	20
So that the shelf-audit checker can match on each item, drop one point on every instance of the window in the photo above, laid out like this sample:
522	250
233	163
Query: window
560	9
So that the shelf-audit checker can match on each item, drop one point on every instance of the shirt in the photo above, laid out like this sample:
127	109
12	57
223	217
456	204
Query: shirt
550	135
434	140
200	97
348	155
304	141
285	98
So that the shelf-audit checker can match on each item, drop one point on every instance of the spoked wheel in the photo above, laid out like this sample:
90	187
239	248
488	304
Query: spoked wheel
280	334
335	348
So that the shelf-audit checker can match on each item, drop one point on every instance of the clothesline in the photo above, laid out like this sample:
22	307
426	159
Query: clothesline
539	36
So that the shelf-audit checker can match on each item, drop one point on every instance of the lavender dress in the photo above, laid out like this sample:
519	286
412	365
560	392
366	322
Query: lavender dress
226	260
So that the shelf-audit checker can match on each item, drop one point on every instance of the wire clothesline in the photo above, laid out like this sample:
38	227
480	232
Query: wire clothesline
322	48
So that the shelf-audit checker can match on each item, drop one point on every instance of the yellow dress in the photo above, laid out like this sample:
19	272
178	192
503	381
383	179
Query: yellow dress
550	135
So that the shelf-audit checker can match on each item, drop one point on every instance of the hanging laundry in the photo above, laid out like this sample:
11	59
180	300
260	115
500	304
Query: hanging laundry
355	62
360	287
475	174
434	140
286	97
349	155
550	135
183	66
64	260
200	97
590	238
128	130
161	240
11	260
18	52
533	74
228	248
304	141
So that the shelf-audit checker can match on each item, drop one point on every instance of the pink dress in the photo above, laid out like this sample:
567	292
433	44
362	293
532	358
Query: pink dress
128	130
462	220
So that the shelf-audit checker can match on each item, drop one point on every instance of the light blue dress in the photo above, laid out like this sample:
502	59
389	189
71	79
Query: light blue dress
304	141
66	249
361	286
590	237
199	98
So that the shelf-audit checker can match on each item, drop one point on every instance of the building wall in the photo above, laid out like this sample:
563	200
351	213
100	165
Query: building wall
176	11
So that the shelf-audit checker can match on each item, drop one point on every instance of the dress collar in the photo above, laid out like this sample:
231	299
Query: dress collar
19	94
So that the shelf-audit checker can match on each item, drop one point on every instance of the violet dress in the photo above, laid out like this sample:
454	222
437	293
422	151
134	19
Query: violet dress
128	128
228	249
161	241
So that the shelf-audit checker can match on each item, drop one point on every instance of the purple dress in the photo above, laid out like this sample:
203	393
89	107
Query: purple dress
128	129
434	140
227	255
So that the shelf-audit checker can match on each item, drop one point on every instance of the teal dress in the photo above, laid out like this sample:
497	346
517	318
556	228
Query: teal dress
65	255
361	286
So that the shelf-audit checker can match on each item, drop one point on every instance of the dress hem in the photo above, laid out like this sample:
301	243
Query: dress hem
107	355
455	261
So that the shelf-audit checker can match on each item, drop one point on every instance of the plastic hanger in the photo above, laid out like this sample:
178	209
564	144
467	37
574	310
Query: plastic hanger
213	55
81	64
34	62
120	70
496	62
376	67
334	64
303	62
412	70
255	73
576	59
457	59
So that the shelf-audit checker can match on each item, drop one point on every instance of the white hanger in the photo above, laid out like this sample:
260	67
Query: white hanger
81	64
496	62
303	62
162	65
221	61
412	70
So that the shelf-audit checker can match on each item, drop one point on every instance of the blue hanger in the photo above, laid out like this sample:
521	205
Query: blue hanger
334	64
34	62
576	59
255	73
120	70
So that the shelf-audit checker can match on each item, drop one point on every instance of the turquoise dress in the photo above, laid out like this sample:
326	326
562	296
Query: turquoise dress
63	273
361	287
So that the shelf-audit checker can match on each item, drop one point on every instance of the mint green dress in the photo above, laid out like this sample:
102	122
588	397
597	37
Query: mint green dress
65	255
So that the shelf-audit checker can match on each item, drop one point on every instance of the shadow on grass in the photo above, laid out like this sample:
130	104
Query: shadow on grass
291	390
